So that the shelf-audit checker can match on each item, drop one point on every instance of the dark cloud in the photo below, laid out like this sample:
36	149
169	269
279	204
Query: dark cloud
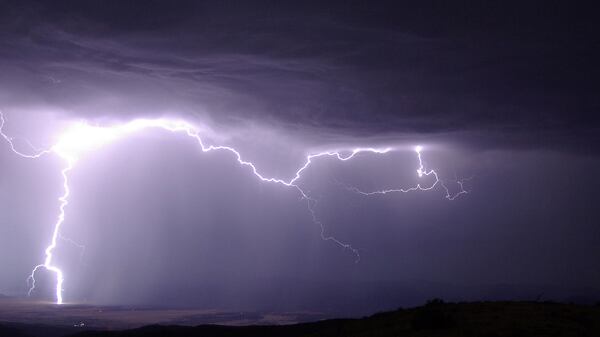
354	67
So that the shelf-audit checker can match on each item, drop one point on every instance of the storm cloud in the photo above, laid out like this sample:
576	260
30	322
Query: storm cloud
504	95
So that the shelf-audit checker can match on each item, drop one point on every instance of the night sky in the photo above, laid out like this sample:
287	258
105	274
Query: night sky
501	96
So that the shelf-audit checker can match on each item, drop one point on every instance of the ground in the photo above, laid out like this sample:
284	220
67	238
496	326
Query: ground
434	319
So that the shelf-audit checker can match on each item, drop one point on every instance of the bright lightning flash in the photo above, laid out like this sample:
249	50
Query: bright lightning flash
81	138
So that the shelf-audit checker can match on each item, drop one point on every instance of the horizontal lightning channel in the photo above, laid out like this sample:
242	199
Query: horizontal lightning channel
82	137
421	171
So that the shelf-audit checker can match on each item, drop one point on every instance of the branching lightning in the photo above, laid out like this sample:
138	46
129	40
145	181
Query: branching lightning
80	138
421	171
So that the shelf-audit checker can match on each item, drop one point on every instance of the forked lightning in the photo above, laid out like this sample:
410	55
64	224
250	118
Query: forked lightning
82	137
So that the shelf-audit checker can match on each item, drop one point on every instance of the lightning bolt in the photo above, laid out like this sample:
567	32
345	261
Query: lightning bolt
421	171
81	138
